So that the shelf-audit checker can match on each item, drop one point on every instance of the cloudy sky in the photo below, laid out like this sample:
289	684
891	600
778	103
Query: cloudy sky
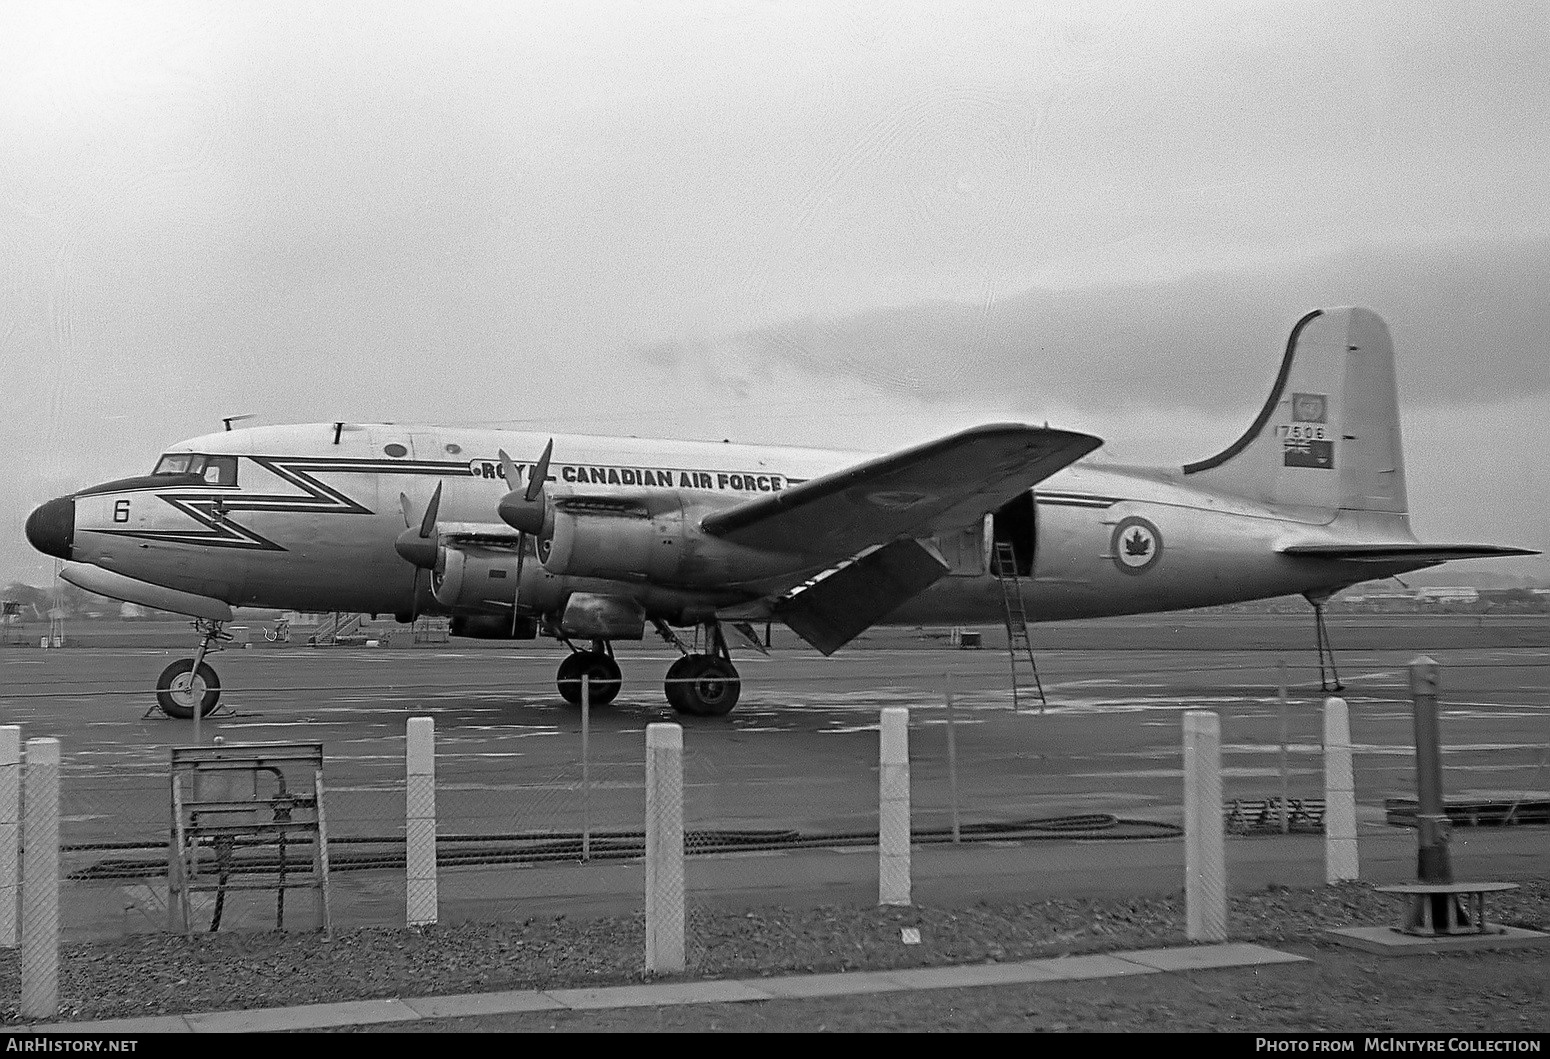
834	223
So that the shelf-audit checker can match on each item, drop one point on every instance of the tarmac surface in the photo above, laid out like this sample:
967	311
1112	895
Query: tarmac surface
798	755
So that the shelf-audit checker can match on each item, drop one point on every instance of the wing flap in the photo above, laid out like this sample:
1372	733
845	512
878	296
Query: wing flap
838	606
946	483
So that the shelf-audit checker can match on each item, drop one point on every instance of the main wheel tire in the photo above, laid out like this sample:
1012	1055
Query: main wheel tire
602	674
708	687
179	687
674	686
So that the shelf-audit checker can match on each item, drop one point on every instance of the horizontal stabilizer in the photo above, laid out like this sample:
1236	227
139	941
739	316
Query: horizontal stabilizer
836	608
1402	552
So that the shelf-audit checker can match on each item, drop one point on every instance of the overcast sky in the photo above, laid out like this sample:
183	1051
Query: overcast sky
849	224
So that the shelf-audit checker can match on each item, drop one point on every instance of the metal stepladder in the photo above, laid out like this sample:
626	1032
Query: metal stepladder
1017	643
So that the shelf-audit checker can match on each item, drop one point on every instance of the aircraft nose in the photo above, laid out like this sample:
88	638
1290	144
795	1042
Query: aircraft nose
51	528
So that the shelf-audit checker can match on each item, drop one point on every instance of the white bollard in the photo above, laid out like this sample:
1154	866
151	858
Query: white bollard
10	830
1340	856
664	849
1205	862
40	881
893	810
420	822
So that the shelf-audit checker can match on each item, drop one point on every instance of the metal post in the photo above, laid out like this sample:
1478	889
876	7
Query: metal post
664	849
952	758
10	830
1205	868
1285	793
1432	862
893	828
420	822
40	881
1340	854
586	767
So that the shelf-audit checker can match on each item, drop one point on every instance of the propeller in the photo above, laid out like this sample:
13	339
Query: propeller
527	510
420	546
527	513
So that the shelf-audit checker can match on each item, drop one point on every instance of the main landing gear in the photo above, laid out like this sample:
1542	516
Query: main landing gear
191	683
600	669
1331	680
701	684
704	685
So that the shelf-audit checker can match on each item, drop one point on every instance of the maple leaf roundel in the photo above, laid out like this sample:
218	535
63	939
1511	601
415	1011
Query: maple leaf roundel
1136	545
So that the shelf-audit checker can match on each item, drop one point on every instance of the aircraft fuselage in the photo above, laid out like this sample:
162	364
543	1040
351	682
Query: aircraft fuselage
308	522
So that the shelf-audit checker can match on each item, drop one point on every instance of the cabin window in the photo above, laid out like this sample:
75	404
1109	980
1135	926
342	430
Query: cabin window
221	470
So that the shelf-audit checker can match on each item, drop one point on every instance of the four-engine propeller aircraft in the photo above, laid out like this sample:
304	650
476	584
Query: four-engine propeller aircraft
598	538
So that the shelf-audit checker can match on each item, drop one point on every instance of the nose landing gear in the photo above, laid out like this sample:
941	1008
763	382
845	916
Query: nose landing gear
191	683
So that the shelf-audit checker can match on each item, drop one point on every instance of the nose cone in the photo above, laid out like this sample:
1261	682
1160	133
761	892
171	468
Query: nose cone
51	527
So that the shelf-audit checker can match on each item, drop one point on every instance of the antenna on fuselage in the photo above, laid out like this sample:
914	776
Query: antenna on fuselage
229	420
338	429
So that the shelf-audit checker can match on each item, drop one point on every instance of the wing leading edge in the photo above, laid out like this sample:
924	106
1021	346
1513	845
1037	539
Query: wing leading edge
941	485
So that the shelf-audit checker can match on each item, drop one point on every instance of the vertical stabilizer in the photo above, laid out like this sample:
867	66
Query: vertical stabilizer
1327	439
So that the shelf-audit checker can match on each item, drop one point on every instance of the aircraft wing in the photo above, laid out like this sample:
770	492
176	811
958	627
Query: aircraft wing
940	485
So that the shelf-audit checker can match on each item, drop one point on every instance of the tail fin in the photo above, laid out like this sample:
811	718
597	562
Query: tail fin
1327	439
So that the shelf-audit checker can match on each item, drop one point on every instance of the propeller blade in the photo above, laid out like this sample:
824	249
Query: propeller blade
428	523
535	484
516	589
508	468
403	506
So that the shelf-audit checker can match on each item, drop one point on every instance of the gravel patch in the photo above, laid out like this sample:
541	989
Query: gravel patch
170	974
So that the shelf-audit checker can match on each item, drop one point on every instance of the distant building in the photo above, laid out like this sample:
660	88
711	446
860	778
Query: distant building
1447	594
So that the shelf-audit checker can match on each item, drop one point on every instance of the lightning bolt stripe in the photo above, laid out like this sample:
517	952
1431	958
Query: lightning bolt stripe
211	509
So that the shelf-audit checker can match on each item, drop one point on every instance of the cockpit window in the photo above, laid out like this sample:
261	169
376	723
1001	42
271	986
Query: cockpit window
216	470
179	463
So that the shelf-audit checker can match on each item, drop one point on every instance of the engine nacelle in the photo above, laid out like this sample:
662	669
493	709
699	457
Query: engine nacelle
614	546
475	576
666	547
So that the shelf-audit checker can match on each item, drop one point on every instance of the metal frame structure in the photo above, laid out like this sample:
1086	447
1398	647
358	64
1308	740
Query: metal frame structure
235	811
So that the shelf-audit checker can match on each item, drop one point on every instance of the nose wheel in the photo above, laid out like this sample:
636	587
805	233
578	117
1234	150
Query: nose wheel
183	686
190	684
